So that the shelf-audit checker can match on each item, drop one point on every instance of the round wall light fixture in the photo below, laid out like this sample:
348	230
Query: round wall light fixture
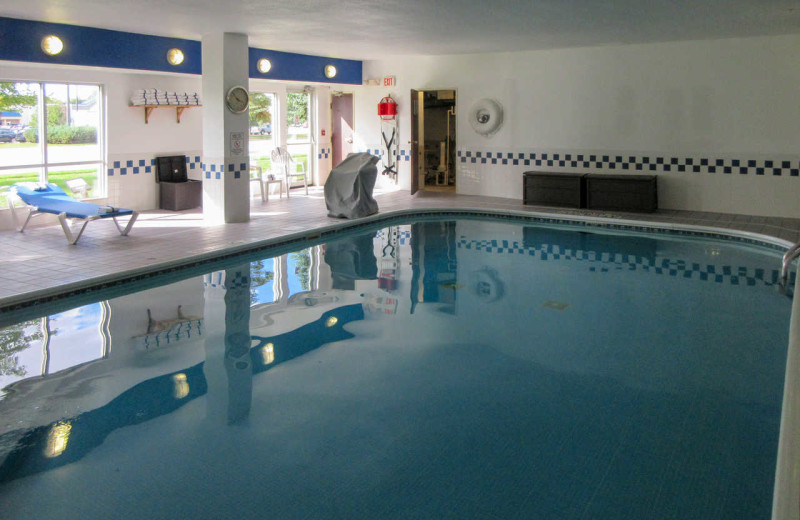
264	65
330	71
175	56
52	45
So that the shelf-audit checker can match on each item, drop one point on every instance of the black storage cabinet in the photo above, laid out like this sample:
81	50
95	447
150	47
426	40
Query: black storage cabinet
554	189
177	192
622	192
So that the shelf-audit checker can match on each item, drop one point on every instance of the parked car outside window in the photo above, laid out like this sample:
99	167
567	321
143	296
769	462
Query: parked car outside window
7	135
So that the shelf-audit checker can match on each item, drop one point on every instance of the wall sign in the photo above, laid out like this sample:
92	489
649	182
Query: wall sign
389	81
237	143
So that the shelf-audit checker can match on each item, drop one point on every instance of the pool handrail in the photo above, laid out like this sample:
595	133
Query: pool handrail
789	256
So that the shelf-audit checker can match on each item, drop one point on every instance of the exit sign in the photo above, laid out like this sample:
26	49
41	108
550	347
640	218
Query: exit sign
389	81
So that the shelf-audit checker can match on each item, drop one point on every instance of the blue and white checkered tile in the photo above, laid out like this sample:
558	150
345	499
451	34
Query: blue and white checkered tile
403	236
240	280
619	162
217	170
131	166
324	153
219	280
215	279
404	155
193	162
138	165
607	262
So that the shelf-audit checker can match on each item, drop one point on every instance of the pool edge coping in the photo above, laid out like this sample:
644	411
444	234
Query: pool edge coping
20	300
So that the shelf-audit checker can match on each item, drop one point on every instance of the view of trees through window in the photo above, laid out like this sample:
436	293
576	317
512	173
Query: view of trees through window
69	115
298	123
262	130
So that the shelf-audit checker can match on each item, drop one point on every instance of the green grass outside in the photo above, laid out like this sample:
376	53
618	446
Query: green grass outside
34	145
59	178
266	162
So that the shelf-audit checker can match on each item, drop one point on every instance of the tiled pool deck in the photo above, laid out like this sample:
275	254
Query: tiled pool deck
39	263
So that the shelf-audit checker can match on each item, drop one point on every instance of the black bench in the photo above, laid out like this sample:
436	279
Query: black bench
622	192
554	189
593	191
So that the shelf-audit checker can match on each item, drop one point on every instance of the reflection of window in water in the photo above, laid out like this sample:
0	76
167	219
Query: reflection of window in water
53	343
262	279
299	268
15	341
76	336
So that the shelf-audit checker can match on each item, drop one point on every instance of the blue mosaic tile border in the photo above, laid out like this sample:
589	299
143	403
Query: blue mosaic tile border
402	154
145	165
635	163
216	170
727	274
324	153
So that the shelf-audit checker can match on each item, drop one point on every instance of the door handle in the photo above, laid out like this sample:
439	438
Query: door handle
349	139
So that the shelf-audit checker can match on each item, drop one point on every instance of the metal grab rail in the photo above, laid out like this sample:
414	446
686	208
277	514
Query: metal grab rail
788	257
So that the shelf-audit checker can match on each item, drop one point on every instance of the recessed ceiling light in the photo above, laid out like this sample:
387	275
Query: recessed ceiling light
175	56
263	65
52	45
330	71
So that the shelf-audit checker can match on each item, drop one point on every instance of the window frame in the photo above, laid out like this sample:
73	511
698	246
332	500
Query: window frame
45	166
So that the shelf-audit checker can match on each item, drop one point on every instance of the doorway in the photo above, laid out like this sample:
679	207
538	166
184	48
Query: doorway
341	126
300	134
433	124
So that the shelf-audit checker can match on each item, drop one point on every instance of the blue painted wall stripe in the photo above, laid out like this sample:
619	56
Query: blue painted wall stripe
21	41
302	67
87	46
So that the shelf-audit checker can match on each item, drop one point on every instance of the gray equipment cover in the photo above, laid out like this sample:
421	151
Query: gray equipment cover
348	190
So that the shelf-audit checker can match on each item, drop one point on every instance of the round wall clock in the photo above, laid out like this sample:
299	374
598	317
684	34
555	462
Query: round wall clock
237	99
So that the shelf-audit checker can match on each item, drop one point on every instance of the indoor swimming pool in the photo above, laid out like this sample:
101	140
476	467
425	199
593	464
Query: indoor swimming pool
432	368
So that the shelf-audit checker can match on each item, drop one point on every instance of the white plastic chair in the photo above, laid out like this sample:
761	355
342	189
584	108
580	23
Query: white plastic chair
257	175
284	165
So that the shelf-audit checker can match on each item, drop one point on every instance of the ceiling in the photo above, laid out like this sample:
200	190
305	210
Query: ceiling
375	29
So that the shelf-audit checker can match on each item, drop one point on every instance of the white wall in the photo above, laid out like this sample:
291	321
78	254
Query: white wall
722	99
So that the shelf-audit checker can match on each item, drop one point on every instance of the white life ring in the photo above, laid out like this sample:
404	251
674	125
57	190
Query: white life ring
486	116
486	285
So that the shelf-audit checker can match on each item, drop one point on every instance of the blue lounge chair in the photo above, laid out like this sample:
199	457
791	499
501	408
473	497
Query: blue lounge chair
49	198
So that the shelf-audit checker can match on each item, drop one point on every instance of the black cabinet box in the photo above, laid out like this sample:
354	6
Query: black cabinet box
177	196
622	192
554	189
171	168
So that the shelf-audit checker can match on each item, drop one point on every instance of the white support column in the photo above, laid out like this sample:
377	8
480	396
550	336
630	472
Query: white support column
226	164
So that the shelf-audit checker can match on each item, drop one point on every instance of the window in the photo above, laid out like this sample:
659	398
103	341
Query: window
54	135
300	129
262	129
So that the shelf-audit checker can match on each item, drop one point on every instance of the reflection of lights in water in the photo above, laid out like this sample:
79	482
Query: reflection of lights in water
330	322
57	439
268	353
181	386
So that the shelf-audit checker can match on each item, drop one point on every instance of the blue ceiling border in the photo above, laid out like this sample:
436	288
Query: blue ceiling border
289	66
20	40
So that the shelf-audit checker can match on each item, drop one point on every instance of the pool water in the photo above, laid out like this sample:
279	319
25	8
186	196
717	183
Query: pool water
431	369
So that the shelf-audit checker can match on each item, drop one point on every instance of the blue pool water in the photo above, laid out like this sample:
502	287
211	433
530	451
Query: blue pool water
433	369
